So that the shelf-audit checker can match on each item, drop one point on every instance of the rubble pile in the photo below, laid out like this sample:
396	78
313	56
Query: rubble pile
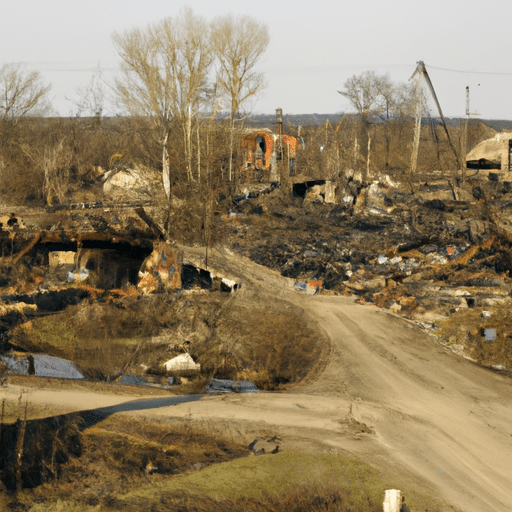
423	251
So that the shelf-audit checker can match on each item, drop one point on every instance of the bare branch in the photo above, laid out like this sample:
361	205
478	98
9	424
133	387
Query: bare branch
22	93
239	43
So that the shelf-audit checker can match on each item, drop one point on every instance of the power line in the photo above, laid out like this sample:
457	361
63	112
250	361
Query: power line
76	70
470	72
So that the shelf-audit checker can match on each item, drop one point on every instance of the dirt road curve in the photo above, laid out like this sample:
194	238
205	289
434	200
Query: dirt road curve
437	417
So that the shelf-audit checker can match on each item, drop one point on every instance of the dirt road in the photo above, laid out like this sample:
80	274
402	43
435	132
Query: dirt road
389	393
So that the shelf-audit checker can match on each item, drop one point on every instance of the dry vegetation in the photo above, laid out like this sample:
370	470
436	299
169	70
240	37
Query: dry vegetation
464	332
231	337
127	464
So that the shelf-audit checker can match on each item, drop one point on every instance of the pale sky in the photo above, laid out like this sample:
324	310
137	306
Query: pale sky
315	46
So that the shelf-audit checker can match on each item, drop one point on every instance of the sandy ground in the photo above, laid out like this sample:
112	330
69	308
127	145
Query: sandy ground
389	394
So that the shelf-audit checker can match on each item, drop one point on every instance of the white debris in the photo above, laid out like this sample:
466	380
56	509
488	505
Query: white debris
78	277
392	500
382	259
347	200
181	362
229	283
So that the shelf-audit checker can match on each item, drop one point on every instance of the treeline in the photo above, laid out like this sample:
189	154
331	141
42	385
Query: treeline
176	75
45	160
175	78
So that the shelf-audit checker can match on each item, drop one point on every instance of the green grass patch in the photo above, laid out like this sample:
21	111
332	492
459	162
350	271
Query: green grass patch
257	476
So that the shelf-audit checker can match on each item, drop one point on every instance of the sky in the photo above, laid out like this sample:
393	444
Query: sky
315	46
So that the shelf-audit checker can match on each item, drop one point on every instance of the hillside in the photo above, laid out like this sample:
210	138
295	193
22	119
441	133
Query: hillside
365	318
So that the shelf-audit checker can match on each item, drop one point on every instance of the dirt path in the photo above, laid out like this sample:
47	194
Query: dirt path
438	414
389	394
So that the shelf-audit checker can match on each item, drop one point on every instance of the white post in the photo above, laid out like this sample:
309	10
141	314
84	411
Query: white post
392	500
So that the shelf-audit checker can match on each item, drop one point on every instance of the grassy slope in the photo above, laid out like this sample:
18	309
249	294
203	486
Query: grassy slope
258	479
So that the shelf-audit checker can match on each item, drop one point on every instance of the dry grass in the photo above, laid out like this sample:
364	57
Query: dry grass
230	336
115	454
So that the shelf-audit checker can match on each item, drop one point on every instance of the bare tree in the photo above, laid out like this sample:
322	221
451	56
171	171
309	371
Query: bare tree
91	98
365	93
145	88
164	70
376	95
396	107
23	97
185	44
22	93
55	164
238	44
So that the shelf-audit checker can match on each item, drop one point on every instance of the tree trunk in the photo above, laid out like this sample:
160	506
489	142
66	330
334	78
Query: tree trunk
231	134
188	144
166	172
198	154
367	168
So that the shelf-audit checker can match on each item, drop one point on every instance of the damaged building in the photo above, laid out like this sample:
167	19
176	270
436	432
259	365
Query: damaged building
266	153
108	250
494	153
321	191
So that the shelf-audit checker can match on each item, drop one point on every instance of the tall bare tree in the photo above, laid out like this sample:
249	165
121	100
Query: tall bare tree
145	87
164	70
185	44
238	44
365	93
22	94
23	98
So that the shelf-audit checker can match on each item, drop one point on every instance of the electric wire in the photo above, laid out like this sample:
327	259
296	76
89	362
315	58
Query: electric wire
469	72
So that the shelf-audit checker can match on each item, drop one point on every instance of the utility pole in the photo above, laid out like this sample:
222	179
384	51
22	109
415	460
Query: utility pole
417	124
465	152
422	71
277	155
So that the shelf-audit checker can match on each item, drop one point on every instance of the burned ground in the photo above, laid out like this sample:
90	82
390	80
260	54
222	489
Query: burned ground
424	249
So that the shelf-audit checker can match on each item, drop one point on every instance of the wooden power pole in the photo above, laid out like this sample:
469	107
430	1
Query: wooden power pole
422	72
